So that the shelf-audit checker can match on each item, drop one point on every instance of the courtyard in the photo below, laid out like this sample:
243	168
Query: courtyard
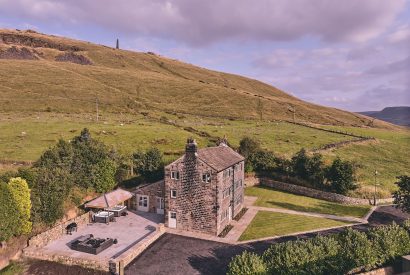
128	230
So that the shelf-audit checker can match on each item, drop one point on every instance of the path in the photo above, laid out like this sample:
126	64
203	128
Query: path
240	226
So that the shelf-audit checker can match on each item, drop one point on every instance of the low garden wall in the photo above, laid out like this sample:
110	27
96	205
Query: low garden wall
56	232
127	257
309	192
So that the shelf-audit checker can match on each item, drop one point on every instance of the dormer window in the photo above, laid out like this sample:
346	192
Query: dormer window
206	177
175	175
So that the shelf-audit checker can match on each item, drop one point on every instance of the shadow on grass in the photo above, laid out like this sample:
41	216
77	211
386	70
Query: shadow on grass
322	207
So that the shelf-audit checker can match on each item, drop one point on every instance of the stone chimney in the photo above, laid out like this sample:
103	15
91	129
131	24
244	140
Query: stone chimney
191	147
223	141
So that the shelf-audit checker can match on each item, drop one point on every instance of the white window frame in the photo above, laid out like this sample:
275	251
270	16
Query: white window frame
175	175
206	177
171	193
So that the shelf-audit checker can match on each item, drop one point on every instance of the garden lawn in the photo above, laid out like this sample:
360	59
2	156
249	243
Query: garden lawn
268	197
271	224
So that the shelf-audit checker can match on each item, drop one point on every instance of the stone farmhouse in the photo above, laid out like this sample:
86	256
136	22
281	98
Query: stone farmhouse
202	190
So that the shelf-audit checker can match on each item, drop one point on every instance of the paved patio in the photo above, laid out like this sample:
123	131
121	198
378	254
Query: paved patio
128	230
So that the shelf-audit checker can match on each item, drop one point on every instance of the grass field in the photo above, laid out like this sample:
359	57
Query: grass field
268	197
48	100
271	224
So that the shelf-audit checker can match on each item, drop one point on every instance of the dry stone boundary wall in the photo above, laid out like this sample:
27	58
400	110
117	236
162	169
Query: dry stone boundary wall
56	232
309	192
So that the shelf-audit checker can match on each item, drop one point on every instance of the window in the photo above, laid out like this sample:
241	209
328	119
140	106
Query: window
238	183
173	193
206	177
143	201
173	215
175	175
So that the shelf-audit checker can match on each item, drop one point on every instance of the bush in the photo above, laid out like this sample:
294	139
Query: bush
21	196
313	256
402	195
357	251
15	208
406	225
390	242
8	211
344	253
247	263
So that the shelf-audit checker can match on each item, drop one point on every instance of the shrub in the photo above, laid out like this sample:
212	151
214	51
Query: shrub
402	195
356	251
15	208
313	256
406	225
8	211
21	196
389	242
247	263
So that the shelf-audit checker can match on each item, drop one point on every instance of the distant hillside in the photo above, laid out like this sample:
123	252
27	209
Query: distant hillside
41	72
395	115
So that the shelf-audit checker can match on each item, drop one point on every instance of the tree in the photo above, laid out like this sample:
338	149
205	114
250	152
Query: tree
247	263
103	174
49	193
402	195
341	176
262	161
248	146
149	164
21	195
259	108
300	164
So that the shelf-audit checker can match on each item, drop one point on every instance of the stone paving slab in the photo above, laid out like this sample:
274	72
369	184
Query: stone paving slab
128	230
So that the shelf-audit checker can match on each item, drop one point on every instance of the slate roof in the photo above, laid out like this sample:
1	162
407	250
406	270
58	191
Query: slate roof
219	157
109	199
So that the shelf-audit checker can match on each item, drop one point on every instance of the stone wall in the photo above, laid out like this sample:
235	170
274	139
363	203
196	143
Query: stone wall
310	192
152	190
380	271
195	203
56	232
127	257
38	254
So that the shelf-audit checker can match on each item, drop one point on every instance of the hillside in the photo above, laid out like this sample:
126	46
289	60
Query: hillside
396	115
49	86
48	73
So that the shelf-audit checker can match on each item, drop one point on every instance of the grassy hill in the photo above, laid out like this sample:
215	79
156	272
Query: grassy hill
49	87
126	81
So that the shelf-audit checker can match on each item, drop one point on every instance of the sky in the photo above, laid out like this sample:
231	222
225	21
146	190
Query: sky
350	54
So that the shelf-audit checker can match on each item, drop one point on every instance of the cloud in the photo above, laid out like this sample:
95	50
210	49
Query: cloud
198	22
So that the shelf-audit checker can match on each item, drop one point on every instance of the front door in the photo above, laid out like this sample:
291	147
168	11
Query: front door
143	203
172	219
160	205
